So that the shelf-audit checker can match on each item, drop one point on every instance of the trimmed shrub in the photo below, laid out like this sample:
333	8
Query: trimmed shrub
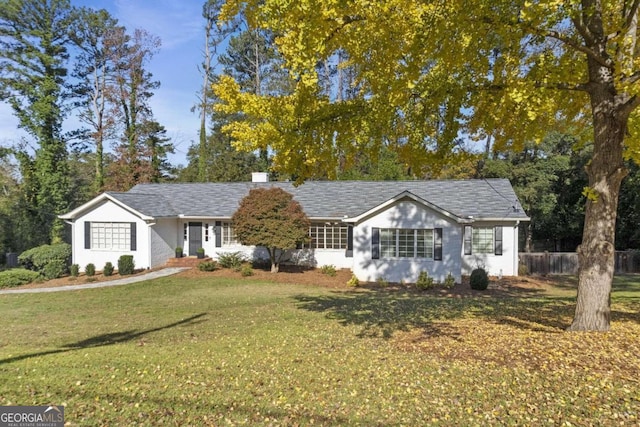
208	266
382	282
74	270
353	282
329	270
90	270
261	264
16	277
479	279
449	282
54	269
126	265
523	270
424	281
108	269
232	260
246	270
37	258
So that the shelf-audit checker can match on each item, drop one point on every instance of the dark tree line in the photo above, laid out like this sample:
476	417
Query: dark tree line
57	60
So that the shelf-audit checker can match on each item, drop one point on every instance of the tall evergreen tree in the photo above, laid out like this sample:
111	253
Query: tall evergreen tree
215	33
156	145
33	55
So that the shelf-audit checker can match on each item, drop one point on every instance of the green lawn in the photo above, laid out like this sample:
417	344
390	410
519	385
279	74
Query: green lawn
216	351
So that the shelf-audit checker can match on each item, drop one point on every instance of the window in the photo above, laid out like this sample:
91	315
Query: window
424	244
228	234
406	243
387	243
111	236
206	232
482	240
327	236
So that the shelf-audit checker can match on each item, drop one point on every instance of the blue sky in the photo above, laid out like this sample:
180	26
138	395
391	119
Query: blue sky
179	25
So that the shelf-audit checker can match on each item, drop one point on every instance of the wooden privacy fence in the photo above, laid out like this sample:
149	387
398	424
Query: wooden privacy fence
567	262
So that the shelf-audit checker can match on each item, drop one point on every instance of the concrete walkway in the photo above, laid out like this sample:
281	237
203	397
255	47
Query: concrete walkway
124	281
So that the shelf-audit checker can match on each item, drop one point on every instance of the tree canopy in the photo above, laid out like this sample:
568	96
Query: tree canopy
430	72
269	217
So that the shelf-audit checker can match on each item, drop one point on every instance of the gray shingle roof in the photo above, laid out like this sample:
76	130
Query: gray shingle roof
490	198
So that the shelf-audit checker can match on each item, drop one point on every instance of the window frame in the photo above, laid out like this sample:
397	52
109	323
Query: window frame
113	236
407	243
228	235
483	240
334	236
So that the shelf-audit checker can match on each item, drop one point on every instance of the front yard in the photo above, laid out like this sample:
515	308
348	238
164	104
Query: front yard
207	349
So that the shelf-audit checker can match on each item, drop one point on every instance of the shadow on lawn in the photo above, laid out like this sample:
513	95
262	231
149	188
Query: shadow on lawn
381	313
108	339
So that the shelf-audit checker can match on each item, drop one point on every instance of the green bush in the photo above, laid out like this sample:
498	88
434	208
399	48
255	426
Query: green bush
261	264
424	281
90	270
382	282
353	282
108	269
232	260
449	282
246	270
126	265
54	269
479	279
329	270
16	277
37	258
74	270
523	270
208	266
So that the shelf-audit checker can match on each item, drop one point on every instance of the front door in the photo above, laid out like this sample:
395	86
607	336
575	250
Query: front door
195	237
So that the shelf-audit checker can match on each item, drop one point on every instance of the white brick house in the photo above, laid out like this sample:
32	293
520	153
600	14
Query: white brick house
383	229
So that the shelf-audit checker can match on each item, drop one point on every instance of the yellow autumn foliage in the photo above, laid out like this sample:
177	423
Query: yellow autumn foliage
427	74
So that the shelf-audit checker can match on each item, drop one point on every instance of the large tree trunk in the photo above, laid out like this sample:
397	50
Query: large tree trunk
597	251
275	260
529	239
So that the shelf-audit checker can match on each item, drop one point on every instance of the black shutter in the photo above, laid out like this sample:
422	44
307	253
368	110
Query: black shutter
375	243
134	237
218	234
497	241
468	231
437	246
87	235
349	253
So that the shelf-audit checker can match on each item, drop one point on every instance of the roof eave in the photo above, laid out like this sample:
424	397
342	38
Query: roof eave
71	216
413	197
